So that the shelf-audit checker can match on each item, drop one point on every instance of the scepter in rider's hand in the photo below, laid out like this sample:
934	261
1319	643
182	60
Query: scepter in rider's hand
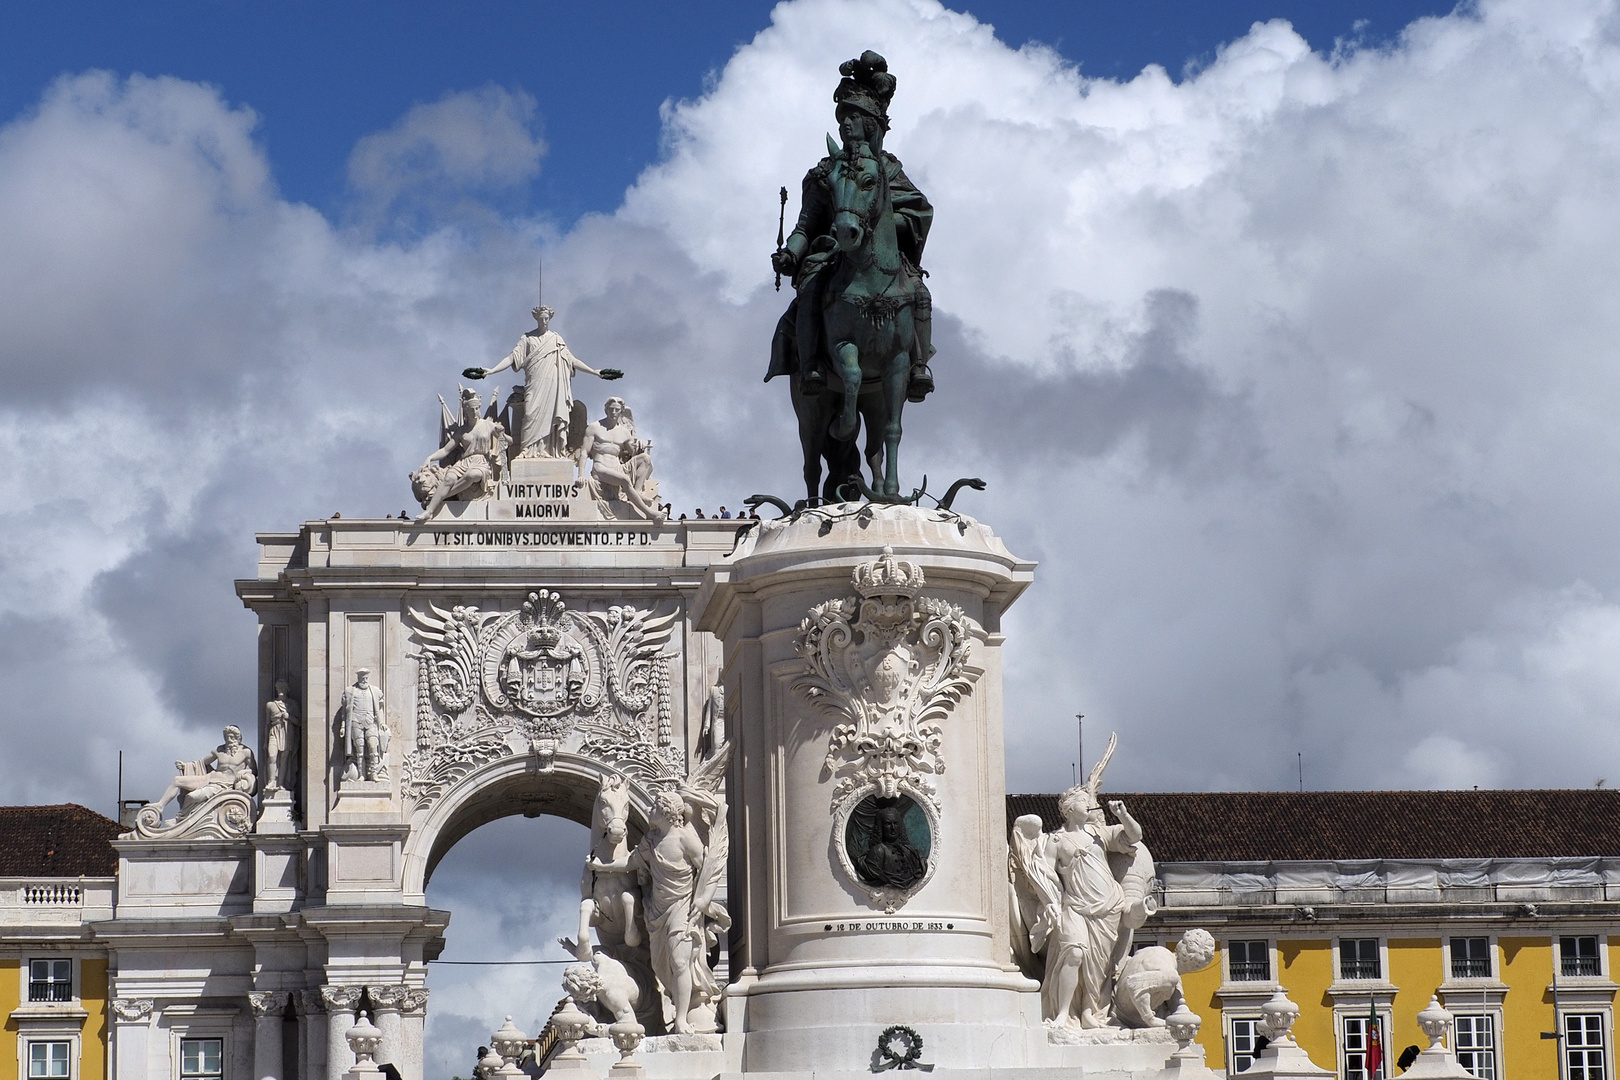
781	219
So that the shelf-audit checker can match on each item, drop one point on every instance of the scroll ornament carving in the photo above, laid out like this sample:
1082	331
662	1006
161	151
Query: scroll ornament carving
415	1003
340	998
389	997
309	1003
131	1009
547	674
892	663
268	1002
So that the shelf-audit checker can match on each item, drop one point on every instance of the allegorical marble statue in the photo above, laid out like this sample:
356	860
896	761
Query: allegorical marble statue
1081	892
861	311
228	767
680	877
280	741
365	730
542	356
621	463
467	464
1148	986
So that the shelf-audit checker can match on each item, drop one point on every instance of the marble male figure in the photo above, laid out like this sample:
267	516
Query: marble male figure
228	767
280	741
621	465
548	368
365	730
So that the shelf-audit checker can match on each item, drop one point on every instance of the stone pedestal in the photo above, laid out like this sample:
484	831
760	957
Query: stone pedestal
862	662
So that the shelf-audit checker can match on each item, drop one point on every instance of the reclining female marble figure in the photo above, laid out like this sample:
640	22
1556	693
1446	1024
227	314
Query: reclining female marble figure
228	767
1148	987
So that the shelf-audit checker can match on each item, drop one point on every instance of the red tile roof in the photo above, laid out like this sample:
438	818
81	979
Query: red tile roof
56	841
1273	826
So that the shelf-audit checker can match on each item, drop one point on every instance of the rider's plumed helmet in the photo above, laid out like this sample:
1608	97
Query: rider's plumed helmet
866	87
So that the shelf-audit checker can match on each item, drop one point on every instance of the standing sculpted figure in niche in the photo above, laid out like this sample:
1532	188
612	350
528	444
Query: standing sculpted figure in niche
474	450
228	767
621	465
548	386
365	730
1081	891
280	741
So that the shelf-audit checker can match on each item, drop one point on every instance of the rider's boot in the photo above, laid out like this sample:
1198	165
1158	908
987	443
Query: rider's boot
921	383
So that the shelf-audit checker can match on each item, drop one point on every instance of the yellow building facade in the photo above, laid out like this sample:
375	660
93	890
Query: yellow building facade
56	880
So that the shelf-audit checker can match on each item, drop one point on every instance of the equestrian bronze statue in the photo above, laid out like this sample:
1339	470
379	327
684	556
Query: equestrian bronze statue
856	340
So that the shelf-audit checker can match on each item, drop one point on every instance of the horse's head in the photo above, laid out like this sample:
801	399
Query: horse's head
860	191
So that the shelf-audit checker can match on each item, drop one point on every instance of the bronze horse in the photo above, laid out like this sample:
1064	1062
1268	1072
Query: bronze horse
868	336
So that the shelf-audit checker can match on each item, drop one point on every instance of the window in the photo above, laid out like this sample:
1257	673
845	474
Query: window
1245	1034
50	980
1579	956
1583	1046
202	1059
1138	944
1355	1050
48	1060
1476	1045
1470	958
1249	961
1358	958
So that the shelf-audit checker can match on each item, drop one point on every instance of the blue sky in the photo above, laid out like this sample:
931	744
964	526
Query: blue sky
321	75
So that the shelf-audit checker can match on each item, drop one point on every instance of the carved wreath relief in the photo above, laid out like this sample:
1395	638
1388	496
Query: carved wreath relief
892	663
596	680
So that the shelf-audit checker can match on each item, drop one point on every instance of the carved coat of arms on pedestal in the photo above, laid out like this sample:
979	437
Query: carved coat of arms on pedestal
596	682
892	663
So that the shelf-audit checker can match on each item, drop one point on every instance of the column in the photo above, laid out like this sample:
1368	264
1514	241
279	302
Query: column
413	1020
132	1024
268	1008
311	1034
386	1002
340	1002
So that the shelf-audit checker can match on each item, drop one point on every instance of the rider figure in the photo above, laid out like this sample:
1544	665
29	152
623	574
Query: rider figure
862	100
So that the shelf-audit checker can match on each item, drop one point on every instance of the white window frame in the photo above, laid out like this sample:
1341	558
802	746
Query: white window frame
65	1029
25	973
1245	1016
1495	1018
1605	1032
201	1028
1271	963
1383	960
196	1037
1341	1036
1558	957
51	1040
1492	953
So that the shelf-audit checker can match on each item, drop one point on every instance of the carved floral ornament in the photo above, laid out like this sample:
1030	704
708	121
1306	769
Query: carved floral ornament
548	675
892	664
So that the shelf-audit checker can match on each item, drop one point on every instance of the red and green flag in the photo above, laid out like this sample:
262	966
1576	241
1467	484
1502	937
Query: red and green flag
1375	1042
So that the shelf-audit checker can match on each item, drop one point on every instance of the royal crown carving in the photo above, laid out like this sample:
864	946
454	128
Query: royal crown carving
540	676
892	663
